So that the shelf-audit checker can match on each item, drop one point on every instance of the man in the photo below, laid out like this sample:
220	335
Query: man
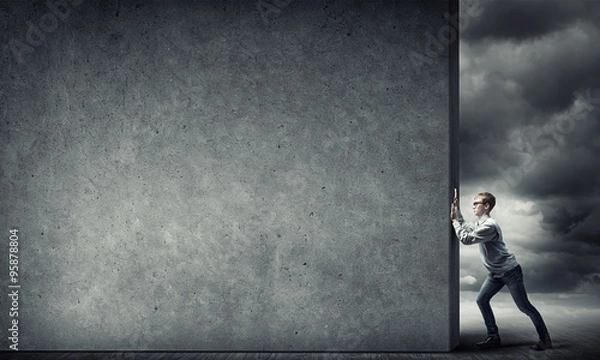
502	266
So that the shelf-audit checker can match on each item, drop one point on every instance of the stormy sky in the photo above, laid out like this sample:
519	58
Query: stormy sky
530	134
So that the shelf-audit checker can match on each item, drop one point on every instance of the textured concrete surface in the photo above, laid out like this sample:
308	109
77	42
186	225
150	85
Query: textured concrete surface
214	176
574	337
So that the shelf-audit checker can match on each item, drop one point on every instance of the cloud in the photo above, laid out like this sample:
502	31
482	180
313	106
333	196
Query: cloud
548	272
558	162
587	232
589	284
467	280
525	208
559	219
518	20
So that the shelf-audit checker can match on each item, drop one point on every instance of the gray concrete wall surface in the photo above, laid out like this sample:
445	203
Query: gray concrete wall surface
222	175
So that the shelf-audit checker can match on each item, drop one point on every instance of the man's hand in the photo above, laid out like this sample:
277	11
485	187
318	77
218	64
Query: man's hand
455	207
455	201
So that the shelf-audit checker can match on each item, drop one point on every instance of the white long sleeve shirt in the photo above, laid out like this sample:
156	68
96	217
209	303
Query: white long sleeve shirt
487	234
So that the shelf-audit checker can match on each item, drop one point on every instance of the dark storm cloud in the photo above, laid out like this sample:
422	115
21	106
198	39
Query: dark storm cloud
578	245
563	220
520	20
565	180
556	78
560	272
487	120
519	86
588	233
492	108
553	280
570	173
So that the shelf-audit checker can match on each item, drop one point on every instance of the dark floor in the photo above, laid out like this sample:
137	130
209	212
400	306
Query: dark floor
575	336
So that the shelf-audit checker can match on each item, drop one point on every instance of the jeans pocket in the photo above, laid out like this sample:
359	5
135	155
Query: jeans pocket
513	275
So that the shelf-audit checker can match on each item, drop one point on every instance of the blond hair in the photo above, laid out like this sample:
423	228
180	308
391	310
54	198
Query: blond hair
488	198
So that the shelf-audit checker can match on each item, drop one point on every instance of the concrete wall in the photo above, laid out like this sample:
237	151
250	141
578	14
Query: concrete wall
214	176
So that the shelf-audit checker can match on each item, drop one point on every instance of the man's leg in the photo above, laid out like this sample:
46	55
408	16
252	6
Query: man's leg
514	281
490	287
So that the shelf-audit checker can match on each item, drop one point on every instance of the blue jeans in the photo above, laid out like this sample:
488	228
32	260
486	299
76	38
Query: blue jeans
513	279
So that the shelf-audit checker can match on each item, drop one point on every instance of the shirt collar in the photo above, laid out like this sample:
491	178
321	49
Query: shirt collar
483	218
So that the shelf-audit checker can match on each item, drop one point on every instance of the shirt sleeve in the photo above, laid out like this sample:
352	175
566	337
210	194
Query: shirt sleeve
469	233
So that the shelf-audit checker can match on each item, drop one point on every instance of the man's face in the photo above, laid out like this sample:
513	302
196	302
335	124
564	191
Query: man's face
479	207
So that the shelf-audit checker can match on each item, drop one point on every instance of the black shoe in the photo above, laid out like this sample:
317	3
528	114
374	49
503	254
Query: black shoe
543	344
490	342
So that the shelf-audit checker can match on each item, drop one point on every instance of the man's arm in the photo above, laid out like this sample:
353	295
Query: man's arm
469	234
457	219
456	215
